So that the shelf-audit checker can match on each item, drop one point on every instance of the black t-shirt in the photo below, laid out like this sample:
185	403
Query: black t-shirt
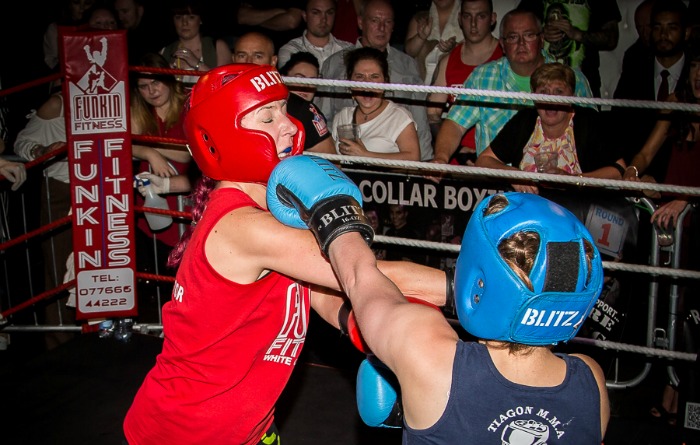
310	116
592	147
153	33
279	38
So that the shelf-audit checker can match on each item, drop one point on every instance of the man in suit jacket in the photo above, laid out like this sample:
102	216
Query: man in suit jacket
670	32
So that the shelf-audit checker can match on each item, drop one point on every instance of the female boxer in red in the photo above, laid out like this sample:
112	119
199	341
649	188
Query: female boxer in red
238	316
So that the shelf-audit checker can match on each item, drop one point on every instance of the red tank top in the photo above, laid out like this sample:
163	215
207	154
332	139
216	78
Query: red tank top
345	28
682	167
228	352
456	74
170	235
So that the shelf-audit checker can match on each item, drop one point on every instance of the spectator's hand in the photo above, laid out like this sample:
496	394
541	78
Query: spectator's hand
447	45
631	175
42	150
352	148
186	57
424	26
649	193
523	188
435	177
667	215
14	172
159	164
159	185
555	30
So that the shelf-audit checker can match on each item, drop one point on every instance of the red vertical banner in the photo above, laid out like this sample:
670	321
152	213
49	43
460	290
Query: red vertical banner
99	152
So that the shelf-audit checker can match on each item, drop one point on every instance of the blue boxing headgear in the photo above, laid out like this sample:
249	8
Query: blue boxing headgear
494	303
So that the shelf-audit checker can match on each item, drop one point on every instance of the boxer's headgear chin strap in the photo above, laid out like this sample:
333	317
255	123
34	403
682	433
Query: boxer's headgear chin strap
219	144
494	303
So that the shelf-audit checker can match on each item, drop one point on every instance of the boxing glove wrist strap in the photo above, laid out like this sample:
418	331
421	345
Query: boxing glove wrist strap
335	216
395	417
343	315
450	305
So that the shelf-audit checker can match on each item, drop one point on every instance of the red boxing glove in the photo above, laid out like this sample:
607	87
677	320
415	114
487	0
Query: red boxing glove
349	327
423	302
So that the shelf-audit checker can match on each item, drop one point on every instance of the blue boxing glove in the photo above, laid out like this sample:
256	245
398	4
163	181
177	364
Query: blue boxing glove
378	395
310	192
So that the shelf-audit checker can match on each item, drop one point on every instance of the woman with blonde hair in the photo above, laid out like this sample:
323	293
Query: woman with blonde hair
157	103
570	132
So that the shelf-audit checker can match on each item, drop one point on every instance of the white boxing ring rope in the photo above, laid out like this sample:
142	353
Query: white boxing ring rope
509	174
415	168
463	170
479	95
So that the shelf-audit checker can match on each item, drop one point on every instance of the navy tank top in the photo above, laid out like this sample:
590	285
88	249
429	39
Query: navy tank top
486	408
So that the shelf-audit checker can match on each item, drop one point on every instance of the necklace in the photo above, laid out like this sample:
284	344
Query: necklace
366	115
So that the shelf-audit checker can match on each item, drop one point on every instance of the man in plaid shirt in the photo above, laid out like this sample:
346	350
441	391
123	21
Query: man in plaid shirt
522	42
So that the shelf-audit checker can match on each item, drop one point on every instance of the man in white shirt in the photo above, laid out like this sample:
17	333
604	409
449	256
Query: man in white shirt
376	22
317	39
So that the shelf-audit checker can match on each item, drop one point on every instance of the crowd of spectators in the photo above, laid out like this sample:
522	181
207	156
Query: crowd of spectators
440	42
479	44
544	46
423	29
417	36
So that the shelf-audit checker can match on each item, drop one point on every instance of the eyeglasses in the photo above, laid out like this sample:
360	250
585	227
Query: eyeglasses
527	37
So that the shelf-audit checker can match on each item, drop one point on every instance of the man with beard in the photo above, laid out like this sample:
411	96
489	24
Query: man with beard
663	70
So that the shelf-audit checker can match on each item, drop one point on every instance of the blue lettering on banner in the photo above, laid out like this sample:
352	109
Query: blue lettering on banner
609	216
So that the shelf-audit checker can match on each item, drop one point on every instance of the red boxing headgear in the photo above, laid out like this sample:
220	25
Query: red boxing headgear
220	146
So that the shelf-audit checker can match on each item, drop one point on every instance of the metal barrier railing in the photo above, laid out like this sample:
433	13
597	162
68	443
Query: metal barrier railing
24	264
658	337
